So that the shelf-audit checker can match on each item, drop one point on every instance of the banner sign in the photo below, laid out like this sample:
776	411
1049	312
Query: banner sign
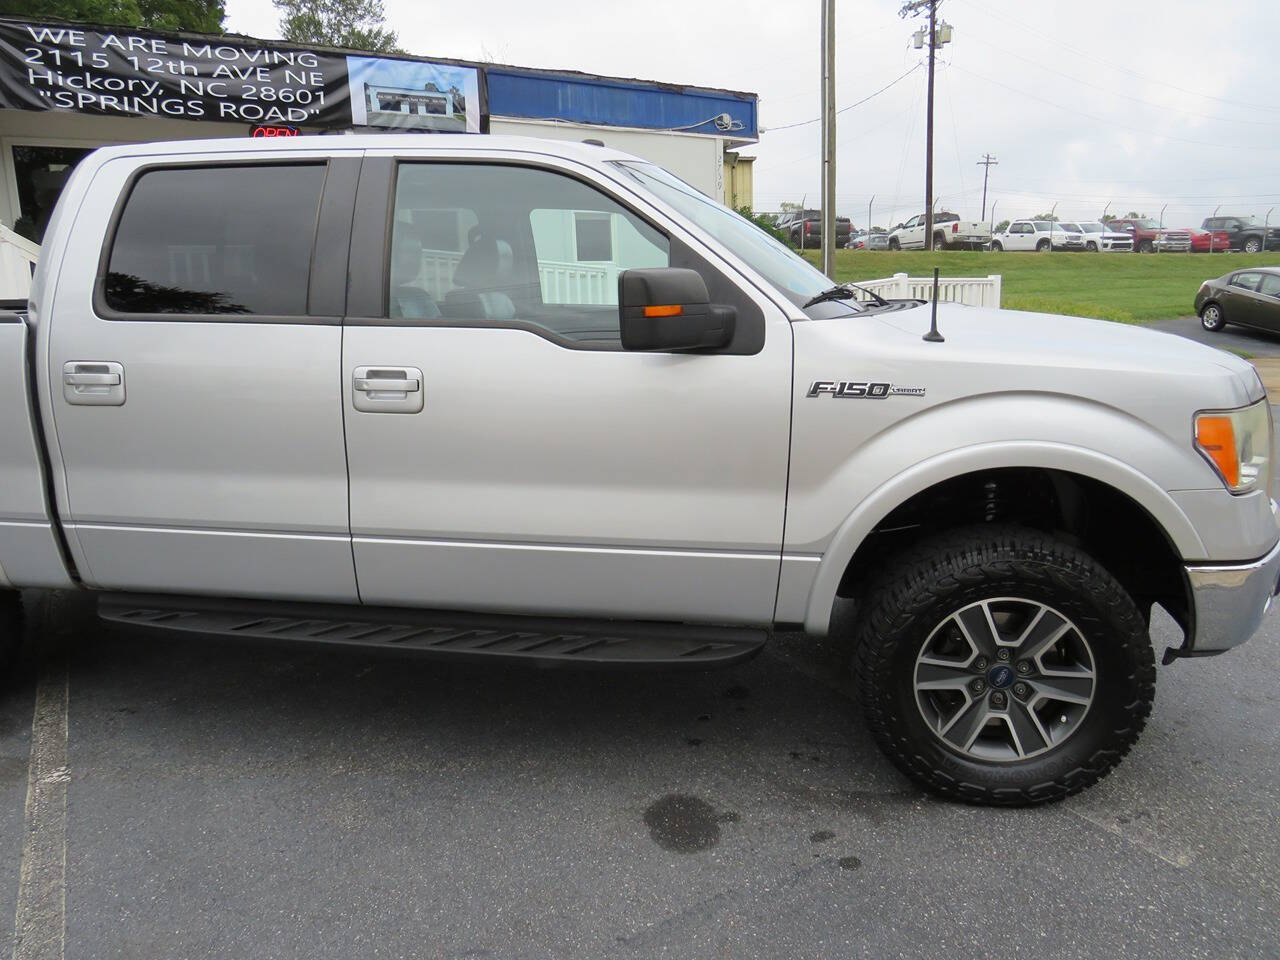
132	73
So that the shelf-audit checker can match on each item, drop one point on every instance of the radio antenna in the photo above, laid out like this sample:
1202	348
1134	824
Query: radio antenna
933	336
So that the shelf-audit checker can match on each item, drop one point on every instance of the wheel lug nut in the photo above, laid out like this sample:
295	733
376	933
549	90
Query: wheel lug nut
1002	654
977	685
1020	690
997	699
1023	667
980	663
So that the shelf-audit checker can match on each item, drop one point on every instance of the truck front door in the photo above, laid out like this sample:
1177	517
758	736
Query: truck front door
505	453
194	381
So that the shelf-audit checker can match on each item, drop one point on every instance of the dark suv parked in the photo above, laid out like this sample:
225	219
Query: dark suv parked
1245	233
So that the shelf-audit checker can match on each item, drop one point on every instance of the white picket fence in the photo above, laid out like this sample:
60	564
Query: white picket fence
562	282
974	291
18	257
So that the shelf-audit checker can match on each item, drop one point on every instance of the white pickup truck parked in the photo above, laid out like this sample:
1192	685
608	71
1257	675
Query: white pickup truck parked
949	232
493	397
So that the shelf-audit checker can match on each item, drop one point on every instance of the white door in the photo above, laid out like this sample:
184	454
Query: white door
518	459
1021	236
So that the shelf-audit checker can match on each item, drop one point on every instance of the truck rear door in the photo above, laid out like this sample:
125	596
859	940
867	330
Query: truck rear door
193	371
505	453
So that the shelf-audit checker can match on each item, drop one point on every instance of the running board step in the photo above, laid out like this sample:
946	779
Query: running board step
456	635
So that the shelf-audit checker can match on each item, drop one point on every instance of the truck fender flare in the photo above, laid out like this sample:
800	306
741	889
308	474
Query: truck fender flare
971	459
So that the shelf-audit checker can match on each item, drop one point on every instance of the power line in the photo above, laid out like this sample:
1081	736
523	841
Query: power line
1106	63
1091	116
1111	91
802	123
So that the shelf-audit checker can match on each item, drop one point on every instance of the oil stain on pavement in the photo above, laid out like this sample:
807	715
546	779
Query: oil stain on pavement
684	824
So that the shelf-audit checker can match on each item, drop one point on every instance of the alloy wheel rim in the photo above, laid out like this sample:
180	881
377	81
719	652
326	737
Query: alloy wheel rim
1210	318
1004	680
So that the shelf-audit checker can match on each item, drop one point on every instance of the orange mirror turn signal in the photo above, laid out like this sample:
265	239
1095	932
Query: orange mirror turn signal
667	310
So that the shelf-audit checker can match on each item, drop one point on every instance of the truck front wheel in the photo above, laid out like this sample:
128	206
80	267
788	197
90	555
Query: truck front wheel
1000	666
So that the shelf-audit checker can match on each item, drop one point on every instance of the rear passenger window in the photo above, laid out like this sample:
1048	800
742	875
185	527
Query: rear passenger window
1247	280
216	240
483	243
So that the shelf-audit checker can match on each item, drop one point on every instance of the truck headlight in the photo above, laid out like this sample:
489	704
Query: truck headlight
1237	443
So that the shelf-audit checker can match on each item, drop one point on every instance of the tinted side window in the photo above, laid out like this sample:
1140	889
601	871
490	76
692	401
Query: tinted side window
1247	280
216	240
478	243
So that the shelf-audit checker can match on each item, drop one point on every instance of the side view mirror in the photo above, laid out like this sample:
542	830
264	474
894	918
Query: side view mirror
668	309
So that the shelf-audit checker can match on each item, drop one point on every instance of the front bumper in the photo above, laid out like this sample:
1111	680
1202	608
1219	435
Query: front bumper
1228	604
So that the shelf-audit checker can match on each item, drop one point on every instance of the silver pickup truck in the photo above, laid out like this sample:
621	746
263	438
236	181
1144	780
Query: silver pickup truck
493	398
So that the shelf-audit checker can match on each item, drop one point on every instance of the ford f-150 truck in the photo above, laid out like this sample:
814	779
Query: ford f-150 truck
496	398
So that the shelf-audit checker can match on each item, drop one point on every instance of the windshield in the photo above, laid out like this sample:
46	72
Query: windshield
1070	227
1092	228
793	276
1148	224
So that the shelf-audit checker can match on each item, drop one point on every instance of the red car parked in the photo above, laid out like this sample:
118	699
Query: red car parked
1209	241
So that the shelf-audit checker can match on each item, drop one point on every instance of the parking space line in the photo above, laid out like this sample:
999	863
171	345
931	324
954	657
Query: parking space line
1174	858
39	926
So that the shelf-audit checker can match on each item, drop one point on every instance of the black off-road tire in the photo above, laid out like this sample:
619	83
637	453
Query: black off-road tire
997	246
894	244
1146	246
1043	246
10	628
928	583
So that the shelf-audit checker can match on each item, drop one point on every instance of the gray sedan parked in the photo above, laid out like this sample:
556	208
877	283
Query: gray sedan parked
1250	298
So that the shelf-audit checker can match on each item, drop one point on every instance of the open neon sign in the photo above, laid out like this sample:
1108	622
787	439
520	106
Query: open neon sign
272	130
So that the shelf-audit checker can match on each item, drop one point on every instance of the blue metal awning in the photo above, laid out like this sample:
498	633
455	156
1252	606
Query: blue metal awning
608	101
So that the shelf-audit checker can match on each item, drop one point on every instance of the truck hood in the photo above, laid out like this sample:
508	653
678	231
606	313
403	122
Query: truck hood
1051	343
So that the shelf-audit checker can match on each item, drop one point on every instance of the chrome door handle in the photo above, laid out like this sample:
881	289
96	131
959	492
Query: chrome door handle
387	389
91	379
377	384
87	383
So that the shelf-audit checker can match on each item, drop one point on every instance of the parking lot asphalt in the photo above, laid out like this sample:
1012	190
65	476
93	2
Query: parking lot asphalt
237	800
1255	343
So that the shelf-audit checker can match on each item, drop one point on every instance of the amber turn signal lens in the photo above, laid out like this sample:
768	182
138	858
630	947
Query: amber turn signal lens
1217	438
669	310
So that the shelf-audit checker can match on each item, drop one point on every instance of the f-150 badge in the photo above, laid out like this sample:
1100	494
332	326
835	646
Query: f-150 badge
861	390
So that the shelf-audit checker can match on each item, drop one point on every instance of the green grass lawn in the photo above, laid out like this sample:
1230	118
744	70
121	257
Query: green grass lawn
1128	287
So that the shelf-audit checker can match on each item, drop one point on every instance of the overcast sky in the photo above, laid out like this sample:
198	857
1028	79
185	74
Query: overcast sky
1083	102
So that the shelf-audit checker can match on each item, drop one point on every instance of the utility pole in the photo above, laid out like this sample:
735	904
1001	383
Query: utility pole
987	161
935	40
869	205
829	138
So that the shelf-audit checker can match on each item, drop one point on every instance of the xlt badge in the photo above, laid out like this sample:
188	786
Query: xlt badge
861	389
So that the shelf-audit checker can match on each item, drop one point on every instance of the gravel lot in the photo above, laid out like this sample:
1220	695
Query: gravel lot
231	800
